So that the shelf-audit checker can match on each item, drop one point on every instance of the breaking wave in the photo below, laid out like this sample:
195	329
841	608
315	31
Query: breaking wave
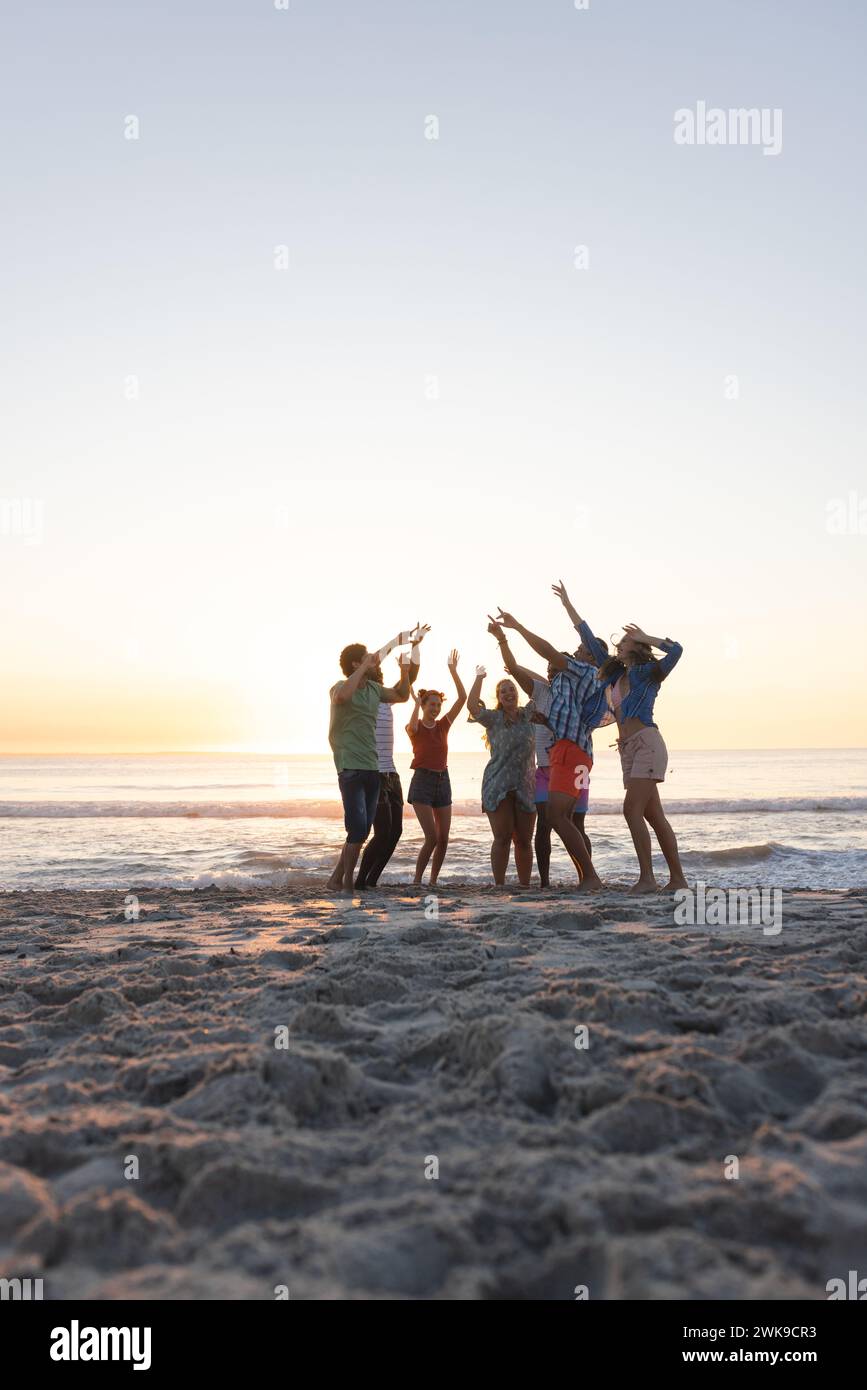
332	810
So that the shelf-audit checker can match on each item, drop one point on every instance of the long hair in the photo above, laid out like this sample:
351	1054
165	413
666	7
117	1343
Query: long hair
485	739
641	655
504	680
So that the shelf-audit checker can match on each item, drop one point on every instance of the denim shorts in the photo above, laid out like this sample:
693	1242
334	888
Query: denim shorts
430	788
360	792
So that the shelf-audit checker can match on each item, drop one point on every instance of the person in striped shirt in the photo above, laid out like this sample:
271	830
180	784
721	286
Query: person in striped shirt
388	820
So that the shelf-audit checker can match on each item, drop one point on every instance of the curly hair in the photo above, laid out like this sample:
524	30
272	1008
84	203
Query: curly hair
350	655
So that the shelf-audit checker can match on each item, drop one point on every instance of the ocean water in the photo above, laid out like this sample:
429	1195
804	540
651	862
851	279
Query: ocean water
780	818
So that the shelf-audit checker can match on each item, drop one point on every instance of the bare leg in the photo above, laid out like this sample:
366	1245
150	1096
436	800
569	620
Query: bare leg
656	818
428	824
350	858
503	827
443	819
522	839
560	807
638	793
578	818
335	881
543	844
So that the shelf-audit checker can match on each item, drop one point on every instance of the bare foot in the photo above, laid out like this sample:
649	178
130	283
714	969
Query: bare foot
591	883
334	885
644	885
674	883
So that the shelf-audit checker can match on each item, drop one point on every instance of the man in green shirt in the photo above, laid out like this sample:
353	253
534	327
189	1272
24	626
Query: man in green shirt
352	735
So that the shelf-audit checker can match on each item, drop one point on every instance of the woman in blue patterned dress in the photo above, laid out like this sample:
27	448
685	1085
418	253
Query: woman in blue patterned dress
508	786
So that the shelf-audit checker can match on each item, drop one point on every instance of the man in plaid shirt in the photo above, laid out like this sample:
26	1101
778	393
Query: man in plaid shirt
578	706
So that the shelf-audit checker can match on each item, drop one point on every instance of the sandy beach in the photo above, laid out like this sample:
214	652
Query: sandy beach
286	1072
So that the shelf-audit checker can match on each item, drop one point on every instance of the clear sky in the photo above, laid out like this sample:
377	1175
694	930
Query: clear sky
216	472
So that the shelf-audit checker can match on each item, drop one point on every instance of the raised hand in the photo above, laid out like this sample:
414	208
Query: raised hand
505	618
481	671
419	632
496	629
560	591
453	660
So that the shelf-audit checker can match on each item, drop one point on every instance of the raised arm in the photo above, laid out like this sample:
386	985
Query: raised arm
582	627
412	726
560	591
412	635
539	644
452	714
415	653
415	657
396	694
673	650
522	675
412	668
473	701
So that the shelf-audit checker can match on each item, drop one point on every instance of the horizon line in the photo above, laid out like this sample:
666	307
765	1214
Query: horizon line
320	753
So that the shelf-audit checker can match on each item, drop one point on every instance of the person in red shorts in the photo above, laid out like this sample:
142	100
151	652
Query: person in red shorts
578	706
539	689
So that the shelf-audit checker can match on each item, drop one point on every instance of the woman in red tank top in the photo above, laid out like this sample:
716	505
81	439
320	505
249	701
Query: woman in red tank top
430	791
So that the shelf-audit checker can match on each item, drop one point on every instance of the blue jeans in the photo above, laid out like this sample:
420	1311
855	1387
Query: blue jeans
359	790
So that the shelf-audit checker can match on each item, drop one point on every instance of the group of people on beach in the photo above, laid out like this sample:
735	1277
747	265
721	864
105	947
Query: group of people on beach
541	753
